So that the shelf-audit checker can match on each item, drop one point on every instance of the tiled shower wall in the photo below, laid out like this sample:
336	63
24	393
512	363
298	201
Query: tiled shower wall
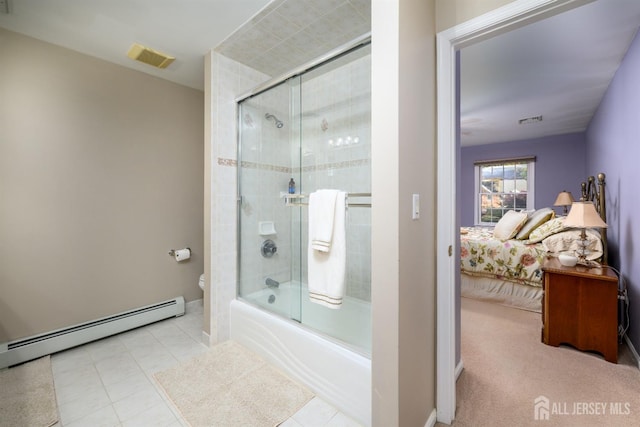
335	153
228	80
265	174
325	144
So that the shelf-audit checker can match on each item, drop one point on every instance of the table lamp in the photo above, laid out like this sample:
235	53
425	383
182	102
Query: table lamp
583	215
564	199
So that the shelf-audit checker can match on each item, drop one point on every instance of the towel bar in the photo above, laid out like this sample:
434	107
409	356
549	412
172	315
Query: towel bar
295	200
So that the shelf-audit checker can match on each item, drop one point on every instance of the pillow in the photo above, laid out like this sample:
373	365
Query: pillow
509	225
569	241
550	227
535	220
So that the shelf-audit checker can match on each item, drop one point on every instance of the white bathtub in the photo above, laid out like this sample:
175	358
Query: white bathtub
335	373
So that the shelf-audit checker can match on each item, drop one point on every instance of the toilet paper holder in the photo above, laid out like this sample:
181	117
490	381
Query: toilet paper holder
172	252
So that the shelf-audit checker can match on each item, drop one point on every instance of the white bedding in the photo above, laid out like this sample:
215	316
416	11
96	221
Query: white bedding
511	294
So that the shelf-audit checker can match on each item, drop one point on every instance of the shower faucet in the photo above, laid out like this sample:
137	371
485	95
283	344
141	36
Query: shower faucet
268	248
271	283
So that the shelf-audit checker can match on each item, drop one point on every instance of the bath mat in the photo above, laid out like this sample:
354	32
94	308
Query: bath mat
232	386
27	396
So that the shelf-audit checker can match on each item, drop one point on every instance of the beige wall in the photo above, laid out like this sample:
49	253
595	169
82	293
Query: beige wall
453	12
101	173
403	163
417	144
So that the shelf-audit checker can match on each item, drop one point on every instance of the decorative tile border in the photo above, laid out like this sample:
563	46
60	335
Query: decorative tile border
227	162
337	165
285	169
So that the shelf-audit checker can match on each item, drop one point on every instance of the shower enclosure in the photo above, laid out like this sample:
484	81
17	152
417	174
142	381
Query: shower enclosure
308	132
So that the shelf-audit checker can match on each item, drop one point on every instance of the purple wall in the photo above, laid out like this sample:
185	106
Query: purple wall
560	165
613	147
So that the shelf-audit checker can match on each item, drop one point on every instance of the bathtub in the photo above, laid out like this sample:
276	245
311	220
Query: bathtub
336	372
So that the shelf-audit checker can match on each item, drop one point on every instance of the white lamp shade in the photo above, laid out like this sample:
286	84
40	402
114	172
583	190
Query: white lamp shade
565	198
584	215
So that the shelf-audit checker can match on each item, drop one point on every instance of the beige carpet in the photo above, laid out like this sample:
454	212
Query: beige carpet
231	386
506	367
27	396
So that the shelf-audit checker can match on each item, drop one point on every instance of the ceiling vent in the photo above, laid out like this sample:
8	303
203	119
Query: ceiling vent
149	56
4	6
528	120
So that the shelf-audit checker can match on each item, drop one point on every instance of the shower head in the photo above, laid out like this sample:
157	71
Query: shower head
278	123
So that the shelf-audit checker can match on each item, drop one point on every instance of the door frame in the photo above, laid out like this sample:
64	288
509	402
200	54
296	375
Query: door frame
511	16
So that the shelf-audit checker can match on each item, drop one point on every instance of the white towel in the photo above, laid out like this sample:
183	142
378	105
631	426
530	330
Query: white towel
322	207
326	270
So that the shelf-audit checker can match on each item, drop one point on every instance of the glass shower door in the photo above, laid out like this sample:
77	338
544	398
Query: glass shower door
267	162
313	129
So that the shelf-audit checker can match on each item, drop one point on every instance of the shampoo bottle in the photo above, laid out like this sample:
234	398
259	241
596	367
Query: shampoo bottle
292	186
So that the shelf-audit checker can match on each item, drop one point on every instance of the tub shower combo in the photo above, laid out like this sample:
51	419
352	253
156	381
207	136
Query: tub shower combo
307	132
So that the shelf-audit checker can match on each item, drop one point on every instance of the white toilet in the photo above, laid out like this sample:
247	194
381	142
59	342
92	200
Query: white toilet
201	282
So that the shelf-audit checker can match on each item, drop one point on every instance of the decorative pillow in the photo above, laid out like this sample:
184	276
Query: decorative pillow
509	225
550	227
569	241
535	220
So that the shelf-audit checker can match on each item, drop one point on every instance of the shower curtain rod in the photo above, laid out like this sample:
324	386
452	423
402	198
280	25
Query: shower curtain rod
289	197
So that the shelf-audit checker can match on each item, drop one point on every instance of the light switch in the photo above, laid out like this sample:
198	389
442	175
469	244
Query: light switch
416	207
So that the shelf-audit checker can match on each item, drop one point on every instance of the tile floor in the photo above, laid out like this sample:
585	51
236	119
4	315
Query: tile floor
109	383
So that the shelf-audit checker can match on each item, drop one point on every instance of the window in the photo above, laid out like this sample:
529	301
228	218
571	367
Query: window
501	186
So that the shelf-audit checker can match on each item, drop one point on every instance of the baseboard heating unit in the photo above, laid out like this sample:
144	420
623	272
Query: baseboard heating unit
23	350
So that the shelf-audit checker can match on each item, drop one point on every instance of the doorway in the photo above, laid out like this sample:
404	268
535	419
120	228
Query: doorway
499	21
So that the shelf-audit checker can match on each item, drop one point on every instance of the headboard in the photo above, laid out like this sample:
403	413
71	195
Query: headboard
596	193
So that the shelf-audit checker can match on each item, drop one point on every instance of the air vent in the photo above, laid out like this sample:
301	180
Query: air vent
528	120
149	56
4	6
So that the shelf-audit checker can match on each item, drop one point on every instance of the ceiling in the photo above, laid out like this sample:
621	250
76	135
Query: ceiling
273	37
558	68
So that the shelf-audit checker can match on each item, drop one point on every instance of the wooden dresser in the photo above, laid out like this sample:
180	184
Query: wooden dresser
580	308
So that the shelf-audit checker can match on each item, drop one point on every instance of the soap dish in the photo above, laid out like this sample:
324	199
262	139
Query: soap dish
266	228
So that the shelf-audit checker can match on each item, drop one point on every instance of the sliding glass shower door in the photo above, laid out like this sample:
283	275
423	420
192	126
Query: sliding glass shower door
312	131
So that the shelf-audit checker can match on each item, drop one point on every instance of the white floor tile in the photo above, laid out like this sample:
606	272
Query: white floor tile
133	405
187	351
117	368
341	420
156	361
105	348
158	415
165	330
135	383
71	392
83	377
139	340
70	360
105	417
110	382
290	423
90	401
316	413
135	336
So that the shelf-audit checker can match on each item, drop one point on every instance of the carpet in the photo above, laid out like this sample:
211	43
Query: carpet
231	386
507	368
27	396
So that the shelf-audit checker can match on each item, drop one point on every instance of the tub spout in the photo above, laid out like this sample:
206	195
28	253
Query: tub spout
271	283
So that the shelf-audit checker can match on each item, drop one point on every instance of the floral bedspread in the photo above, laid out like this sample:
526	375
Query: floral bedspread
483	255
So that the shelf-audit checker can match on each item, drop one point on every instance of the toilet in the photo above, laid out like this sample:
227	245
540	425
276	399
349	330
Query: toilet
201	282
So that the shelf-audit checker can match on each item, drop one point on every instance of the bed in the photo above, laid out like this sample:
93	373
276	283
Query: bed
504	263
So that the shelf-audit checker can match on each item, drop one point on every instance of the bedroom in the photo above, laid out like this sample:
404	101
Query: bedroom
594	136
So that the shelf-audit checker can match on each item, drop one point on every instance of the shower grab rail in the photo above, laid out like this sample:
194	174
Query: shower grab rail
296	200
